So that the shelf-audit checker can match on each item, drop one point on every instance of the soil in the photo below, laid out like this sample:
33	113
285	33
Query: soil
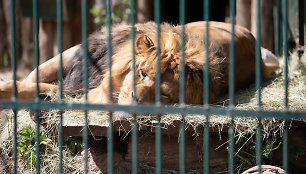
3	164
5	75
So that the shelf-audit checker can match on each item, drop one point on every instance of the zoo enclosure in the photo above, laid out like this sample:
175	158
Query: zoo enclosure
206	110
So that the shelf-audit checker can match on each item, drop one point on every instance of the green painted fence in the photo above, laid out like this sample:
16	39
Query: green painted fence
157	108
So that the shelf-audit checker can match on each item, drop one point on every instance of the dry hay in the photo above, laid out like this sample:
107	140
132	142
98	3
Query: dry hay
272	99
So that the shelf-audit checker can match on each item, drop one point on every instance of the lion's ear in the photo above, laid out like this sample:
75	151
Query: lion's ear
143	43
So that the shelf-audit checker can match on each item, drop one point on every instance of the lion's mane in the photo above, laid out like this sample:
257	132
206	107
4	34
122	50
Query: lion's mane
170	53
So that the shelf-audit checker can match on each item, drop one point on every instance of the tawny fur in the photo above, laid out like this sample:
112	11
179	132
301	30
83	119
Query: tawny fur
146	61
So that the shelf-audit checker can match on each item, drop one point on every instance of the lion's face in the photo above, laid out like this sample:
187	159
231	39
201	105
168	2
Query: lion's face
145	87
146	76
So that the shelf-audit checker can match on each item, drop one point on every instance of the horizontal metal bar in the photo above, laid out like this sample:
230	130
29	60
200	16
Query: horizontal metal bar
149	109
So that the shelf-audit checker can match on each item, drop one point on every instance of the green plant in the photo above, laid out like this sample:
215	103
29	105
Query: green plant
74	143
269	146
246	153
27	145
119	14
296	151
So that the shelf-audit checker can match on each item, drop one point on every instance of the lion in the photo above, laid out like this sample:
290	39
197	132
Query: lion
145	63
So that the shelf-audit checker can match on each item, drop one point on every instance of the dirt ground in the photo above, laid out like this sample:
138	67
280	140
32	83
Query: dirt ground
6	165
3	165
5	75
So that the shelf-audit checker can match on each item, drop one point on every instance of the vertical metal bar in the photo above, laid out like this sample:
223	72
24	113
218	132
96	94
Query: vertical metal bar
231	147
158	79
60	45
13	49
15	142
158	146
135	128
158	139
182	88
36	45
109	55
285	54
206	65
60	78
85	87
301	22
36	56
258	52
285	50
14	96
232	87
206	146
258	82
182	61
258	146
85	47
206	89
109	45
232	56
132	7
285	148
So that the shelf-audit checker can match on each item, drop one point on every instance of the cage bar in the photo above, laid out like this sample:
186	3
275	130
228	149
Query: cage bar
158	137
285	55
36	60
36	46
182	152
285	147
85	87
60	79
145	109
258	146
135	124
206	89
258	84
14	96
109	55
232	88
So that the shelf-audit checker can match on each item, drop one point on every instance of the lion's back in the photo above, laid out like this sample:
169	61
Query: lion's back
97	58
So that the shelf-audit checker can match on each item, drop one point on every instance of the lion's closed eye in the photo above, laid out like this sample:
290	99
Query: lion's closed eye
164	98
164	95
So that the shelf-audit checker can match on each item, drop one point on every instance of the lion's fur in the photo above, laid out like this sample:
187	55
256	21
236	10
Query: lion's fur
170	46
145	45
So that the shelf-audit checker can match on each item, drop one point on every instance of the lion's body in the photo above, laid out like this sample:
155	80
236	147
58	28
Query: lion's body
145	61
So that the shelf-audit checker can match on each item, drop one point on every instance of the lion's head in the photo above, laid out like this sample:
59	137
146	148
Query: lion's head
170	55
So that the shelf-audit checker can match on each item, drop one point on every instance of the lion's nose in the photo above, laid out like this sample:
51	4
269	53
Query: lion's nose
132	94
134	98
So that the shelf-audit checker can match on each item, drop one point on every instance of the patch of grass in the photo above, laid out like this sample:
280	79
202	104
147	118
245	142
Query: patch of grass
74	143
26	146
